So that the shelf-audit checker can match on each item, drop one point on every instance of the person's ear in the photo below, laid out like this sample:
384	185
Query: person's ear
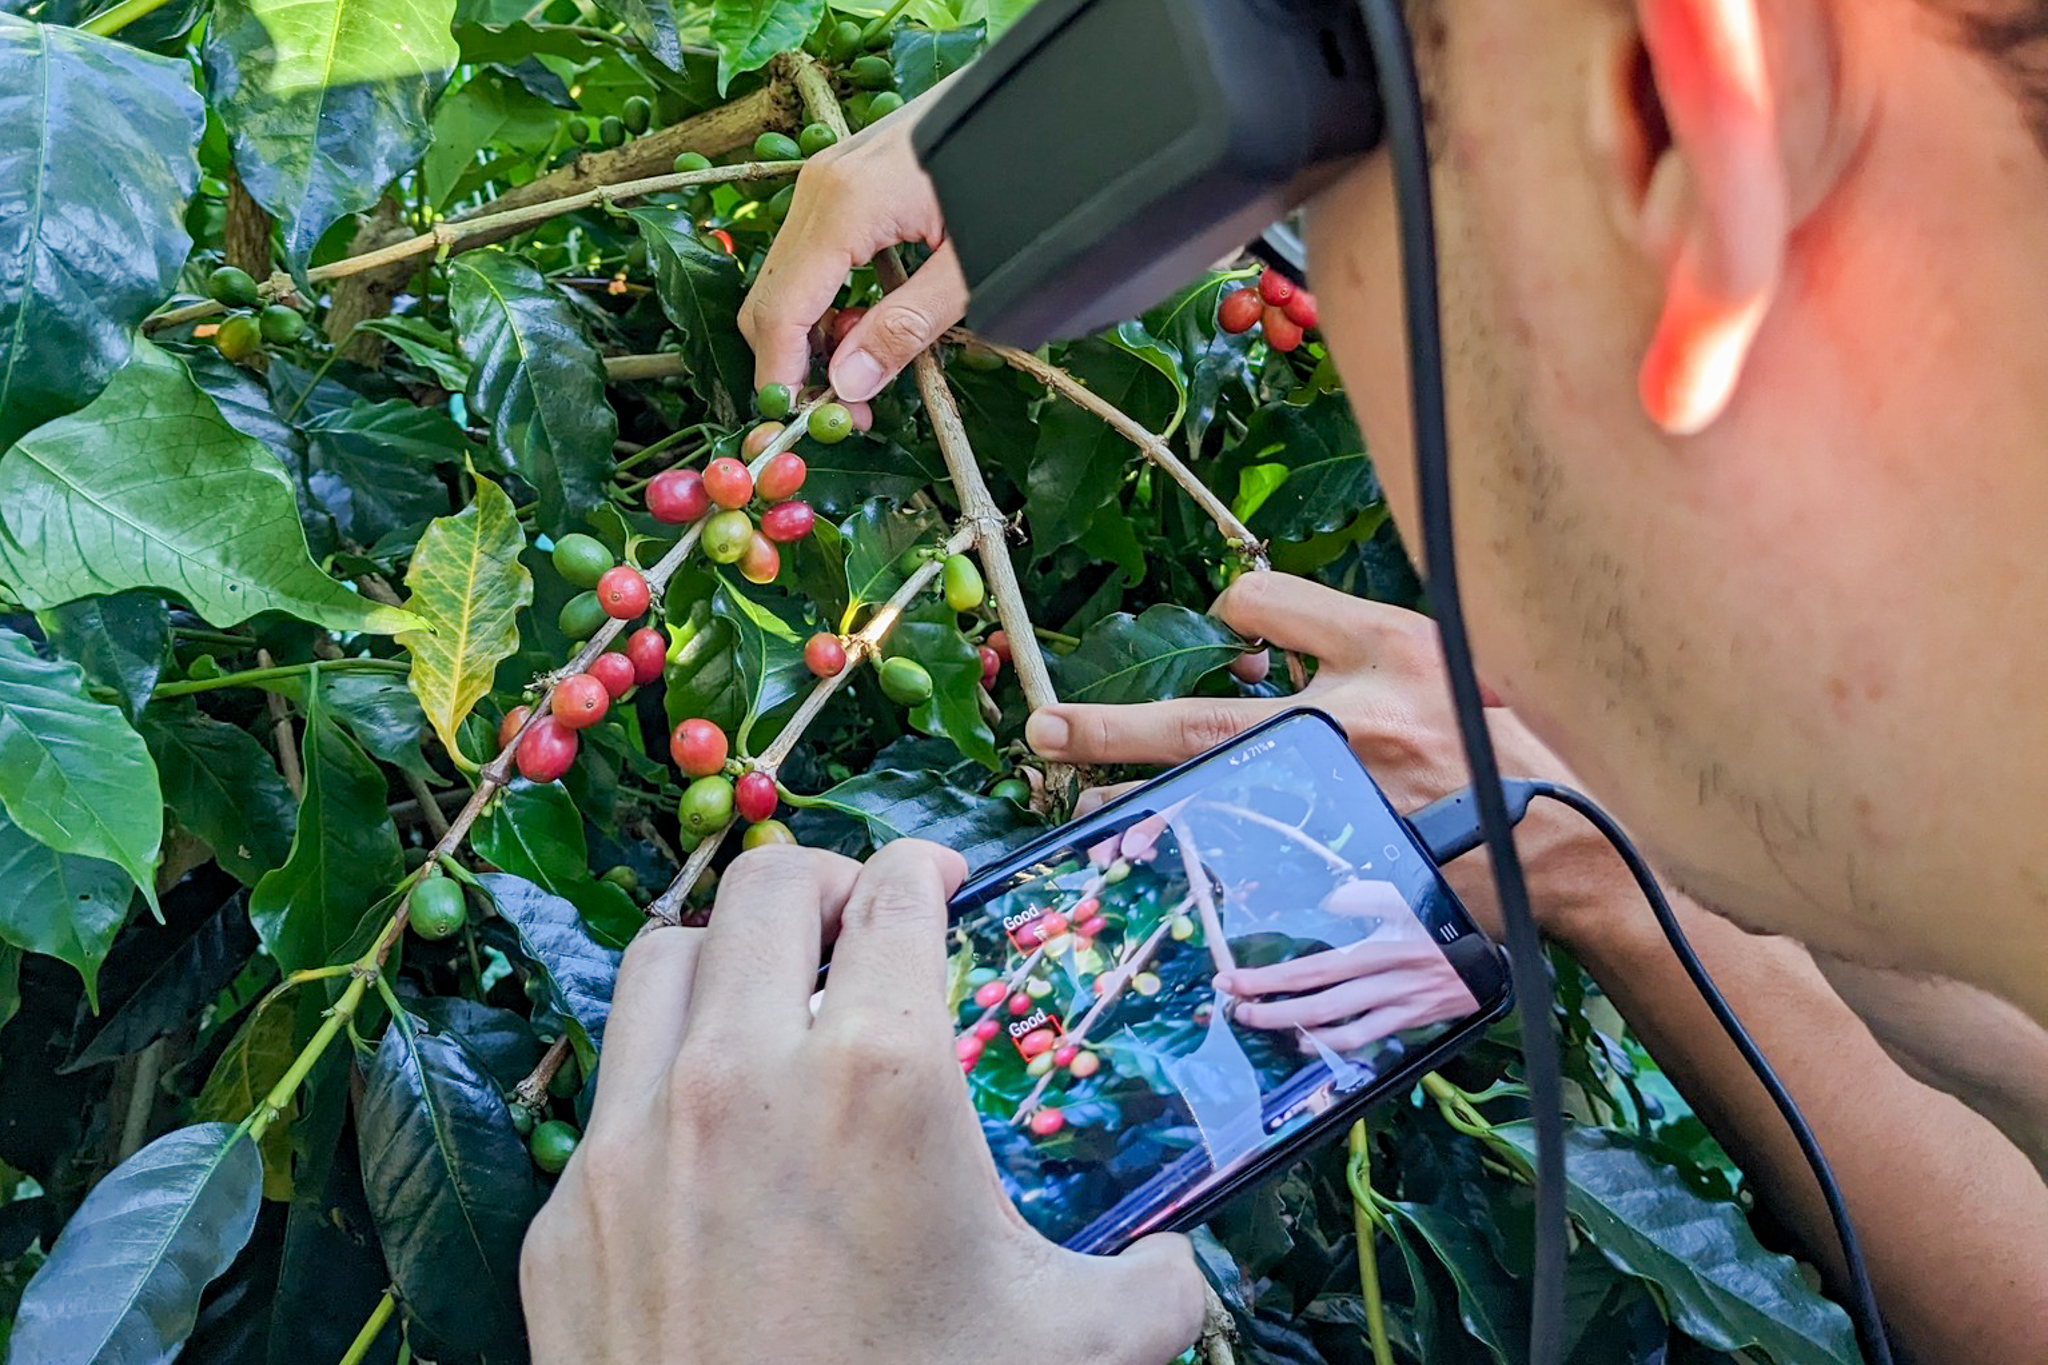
1706	197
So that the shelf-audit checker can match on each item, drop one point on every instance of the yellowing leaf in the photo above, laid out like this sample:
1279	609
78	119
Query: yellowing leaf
468	585
253	1064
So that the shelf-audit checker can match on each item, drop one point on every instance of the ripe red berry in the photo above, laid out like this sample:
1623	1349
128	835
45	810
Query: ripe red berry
728	482
991	995
699	748
844	322
782	476
759	439
648	649
999	641
616	672
755	798
547	752
724	239
761	562
1086	908
1091	927
1053	925
1239	311
1064	1056
581	701
987	1029
623	593
825	656
991	666
1282	332
1037	1041
968	1048
514	722
786	522
1301	309
1275	288
677	497
1020	1003
1086	1065
1048	1121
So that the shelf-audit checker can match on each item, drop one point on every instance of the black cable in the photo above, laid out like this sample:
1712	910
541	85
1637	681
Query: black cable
1408	141
1863	1309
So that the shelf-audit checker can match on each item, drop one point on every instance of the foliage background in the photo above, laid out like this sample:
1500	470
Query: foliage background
217	774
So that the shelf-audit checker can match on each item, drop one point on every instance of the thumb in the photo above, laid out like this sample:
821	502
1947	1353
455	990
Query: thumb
901	325
1154	1298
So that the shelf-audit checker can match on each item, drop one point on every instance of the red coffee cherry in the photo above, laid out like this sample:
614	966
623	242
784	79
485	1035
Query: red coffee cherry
1064	1056
759	439
761	562
1048	1121
991	666
1036	1041
648	649
1275	288
677	497
991	995
1239	311
755	798
616	672
825	656
1301	309
1282	332
999	641
514	722
547	752
987	1029
699	748
786	522
623	593
1091	927
581	701
724	240
969	1049
1020	1003
728	482
844	322
782	476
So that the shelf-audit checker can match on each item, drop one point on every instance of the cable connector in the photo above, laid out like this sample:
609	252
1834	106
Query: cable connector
1450	828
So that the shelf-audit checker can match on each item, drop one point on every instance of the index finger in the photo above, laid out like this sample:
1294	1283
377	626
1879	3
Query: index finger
1308	618
891	955
1149	732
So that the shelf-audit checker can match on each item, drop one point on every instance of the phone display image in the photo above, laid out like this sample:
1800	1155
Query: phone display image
1150	1008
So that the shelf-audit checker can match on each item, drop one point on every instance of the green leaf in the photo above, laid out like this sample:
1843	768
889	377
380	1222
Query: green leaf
124	1281
748	32
652	24
862	467
1155	657
95	171
182	985
701	290
703	677
579	969
1163	356
1489	1302
768	648
468	585
491	110
876	538
426	346
923	58
73	772
1080	464
344	857
326	100
1719	1285
150	487
1211	359
372	465
1329	479
69	908
120	641
450	1185
904	805
954	709
263	1050
225	788
10	982
539	381
535	833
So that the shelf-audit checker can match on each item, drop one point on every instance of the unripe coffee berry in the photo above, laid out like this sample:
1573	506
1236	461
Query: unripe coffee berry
759	439
761	562
830	424
781	477
768	834
726	537
514	722
706	806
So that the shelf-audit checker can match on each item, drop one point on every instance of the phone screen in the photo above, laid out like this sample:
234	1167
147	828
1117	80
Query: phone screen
1163	997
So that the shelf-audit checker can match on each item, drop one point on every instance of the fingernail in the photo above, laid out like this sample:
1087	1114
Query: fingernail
857	376
1046	733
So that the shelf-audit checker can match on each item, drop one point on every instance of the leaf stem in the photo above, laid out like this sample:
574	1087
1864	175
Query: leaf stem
882	22
257	676
120	16
1364	1220
373	1328
309	1056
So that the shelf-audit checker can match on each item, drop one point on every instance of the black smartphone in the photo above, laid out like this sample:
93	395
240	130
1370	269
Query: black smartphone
1164	1002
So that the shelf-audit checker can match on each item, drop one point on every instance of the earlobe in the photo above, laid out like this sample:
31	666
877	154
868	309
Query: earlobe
1714	211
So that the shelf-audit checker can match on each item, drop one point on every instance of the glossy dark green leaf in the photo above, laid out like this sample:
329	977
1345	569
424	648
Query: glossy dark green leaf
954	710
650	23
73	772
862	467
81	264
899	805
1329	480
326	100
876	538
225	788
264	1049
1489	1303
749	32
184	982
372	466
426	346
996	410
1080	463
701	288
535	833
1162	654
539	381
67	907
578	968
502	1041
123	1283
703	678
149	486
1163	356
120	641
1717	1282
450	1185
923	57
1213	362
344	857
382	714
768	646
492	110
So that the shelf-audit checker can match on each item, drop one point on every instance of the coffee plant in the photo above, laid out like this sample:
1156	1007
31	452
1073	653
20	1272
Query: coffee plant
404	594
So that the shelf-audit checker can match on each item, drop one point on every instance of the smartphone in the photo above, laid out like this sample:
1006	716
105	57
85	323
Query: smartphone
1162	1003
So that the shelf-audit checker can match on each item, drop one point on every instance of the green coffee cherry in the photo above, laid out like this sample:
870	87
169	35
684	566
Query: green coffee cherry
962	584
777	147
582	617
638	115
612	132
872	73
815	138
281	326
232	286
691	161
906	682
582	560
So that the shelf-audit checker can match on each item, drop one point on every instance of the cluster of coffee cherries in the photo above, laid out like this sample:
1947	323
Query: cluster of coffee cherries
1285	310
904	680
719	496
720	789
250	324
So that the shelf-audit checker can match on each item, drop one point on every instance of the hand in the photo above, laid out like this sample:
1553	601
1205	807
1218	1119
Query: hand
1346	998
758	1186
853	201
1382	678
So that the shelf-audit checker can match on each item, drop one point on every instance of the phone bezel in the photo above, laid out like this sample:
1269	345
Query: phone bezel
1496	997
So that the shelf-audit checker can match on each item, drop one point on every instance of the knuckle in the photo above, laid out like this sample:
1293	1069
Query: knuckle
708	1085
1205	727
760	873
899	328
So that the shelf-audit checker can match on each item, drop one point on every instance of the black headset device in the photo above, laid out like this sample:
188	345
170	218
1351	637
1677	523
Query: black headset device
1160	136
